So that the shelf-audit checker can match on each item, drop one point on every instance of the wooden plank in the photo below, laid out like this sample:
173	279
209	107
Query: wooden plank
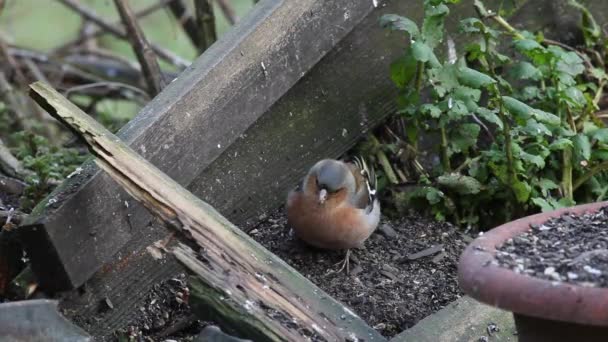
464	320
186	128
248	289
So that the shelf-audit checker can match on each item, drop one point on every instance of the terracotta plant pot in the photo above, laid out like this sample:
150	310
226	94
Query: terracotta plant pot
544	310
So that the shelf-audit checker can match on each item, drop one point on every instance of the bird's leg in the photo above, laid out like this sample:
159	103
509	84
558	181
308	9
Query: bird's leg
346	263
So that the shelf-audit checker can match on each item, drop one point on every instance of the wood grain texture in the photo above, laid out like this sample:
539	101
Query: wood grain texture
185	128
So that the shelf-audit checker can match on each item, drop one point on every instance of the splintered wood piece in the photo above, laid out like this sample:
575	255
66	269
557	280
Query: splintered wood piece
239	283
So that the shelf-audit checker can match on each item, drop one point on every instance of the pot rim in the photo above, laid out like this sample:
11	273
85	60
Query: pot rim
524	294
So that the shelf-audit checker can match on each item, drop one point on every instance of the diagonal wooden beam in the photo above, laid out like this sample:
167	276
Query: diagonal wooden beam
249	289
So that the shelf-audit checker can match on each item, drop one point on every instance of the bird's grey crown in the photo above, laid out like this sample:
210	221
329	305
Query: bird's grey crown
333	175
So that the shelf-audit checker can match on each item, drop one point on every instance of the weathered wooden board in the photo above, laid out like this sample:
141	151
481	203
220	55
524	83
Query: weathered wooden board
186	128
464	320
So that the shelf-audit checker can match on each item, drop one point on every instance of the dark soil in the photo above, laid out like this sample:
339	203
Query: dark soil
406	271
570	248
165	315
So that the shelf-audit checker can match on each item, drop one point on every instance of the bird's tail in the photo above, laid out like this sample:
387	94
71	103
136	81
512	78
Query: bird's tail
367	171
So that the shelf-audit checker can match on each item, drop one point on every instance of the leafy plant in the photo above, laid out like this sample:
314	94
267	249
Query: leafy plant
47	165
516	129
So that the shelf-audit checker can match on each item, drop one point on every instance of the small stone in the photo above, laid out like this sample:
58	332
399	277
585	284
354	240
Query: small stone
389	275
572	275
380	326
549	271
492	328
592	270
387	231
356	270
253	232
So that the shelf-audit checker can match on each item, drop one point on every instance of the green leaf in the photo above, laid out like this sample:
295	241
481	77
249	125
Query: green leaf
432	25
444	78
399	23
421	51
461	184
526	45
560	144
524	111
471	25
473	78
464	137
431	110
468	96
542	204
433	195
525	71
546	118
547	185
571	64
599	74
582	147
538	161
490	116
403	70
530	93
535	128
517	107
574	97
601	135
522	191
591	30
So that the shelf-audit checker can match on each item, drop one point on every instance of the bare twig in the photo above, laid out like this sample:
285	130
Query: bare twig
89	14
180	12
142	49
9	165
16	103
205	21
111	85
97	31
19	76
228	11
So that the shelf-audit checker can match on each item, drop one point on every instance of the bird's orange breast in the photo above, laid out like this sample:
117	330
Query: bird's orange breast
329	225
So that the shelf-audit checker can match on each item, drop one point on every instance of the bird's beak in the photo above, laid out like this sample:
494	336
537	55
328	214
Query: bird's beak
322	196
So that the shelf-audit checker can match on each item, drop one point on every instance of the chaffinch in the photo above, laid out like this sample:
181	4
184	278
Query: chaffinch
335	206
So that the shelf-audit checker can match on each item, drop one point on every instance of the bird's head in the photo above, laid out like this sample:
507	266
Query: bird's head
332	177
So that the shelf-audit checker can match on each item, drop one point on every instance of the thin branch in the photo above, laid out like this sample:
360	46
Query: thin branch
592	172
89	14
141	47
111	85
228	11
180	12
9	165
205	20
6	55
16	103
97	31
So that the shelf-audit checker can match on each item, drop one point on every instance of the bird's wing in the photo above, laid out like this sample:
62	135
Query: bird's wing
366	184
